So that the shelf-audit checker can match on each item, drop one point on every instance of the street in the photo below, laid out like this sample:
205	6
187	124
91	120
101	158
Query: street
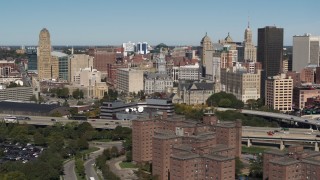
69	171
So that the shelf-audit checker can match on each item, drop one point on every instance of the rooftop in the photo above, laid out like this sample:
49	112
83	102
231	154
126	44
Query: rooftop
285	161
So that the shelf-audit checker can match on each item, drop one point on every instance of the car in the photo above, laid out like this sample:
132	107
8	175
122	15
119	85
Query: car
276	131
27	118
318	135
53	119
306	121
93	120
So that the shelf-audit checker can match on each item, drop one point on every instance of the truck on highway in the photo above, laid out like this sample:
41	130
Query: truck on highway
91	178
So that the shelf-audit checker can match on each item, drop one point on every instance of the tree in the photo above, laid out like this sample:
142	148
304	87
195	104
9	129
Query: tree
239	166
129	156
114	151
77	94
39	139
62	92
56	114
79	103
224	102
256	166
82	143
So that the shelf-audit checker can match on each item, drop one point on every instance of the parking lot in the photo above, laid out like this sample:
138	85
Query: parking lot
19	152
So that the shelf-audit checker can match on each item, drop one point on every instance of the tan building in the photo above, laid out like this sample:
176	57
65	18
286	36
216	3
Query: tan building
296	164
307	75
77	62
250	51
279	90
301	95
206	48
241	83
184	149
89	81
48	66
129	80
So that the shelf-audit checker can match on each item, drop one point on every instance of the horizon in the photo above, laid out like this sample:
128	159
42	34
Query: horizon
99	23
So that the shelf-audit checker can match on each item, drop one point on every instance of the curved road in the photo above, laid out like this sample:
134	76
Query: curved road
69	171
89	164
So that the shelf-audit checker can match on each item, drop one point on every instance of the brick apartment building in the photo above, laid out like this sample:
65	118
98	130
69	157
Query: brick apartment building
184	149
294	164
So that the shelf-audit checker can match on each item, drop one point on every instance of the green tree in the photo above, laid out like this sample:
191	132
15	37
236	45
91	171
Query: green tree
19	133
224	102
79	103
256	166
77	94
239	166
80	167
39	139
62	92
82	143
56	114
129	156
114	151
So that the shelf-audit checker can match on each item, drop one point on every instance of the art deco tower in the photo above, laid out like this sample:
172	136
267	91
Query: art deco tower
250	51
48	66
205	45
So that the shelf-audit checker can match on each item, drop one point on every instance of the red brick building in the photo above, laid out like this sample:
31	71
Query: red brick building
102	57
296	164
185	149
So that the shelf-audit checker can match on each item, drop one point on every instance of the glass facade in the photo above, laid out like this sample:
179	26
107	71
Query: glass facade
63	68
32	58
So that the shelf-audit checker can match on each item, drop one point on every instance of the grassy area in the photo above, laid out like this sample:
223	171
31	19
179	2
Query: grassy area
90	150
80	177
253	149
127	165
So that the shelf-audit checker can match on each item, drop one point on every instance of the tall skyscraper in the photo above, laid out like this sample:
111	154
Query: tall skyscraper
48	66
270	50
306	50
250	51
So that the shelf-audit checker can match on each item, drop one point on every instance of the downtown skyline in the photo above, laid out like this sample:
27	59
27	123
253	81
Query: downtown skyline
173	23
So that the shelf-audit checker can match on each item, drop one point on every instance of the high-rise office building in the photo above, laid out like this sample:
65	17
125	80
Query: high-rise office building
250	51
32	58
76	62
270	50
48	66
142	48
306	51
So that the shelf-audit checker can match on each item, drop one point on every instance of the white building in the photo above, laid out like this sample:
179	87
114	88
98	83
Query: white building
128	47
306	50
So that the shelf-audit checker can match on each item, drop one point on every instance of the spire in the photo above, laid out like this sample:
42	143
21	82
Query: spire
206	34
248	22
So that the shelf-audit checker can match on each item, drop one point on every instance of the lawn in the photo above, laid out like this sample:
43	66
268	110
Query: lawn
253	149
127	165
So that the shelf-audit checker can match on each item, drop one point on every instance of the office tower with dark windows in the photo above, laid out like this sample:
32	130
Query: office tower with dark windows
270	50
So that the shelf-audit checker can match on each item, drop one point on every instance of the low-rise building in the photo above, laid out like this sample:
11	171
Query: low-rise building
15	93
295	164
155	82
301	95
193	93
184	149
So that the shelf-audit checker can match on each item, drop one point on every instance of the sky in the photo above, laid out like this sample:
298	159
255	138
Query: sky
173	22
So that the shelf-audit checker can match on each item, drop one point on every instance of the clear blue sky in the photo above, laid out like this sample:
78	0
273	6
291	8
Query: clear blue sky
174	22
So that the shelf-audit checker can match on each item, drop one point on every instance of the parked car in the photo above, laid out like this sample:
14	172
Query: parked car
318	135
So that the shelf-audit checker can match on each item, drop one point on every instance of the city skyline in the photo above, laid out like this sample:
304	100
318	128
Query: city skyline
173	23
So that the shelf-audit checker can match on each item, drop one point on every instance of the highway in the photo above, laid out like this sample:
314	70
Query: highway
96	123
279	116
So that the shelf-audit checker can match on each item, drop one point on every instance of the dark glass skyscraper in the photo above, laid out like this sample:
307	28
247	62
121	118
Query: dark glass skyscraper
270	50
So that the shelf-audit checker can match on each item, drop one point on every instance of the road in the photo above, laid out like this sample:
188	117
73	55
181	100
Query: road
124	174
89	164
96	123
69	171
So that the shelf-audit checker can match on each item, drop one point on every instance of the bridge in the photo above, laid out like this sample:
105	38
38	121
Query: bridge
49	121
279	116
252	135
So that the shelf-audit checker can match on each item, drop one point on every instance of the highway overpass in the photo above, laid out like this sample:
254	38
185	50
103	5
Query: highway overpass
279	116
